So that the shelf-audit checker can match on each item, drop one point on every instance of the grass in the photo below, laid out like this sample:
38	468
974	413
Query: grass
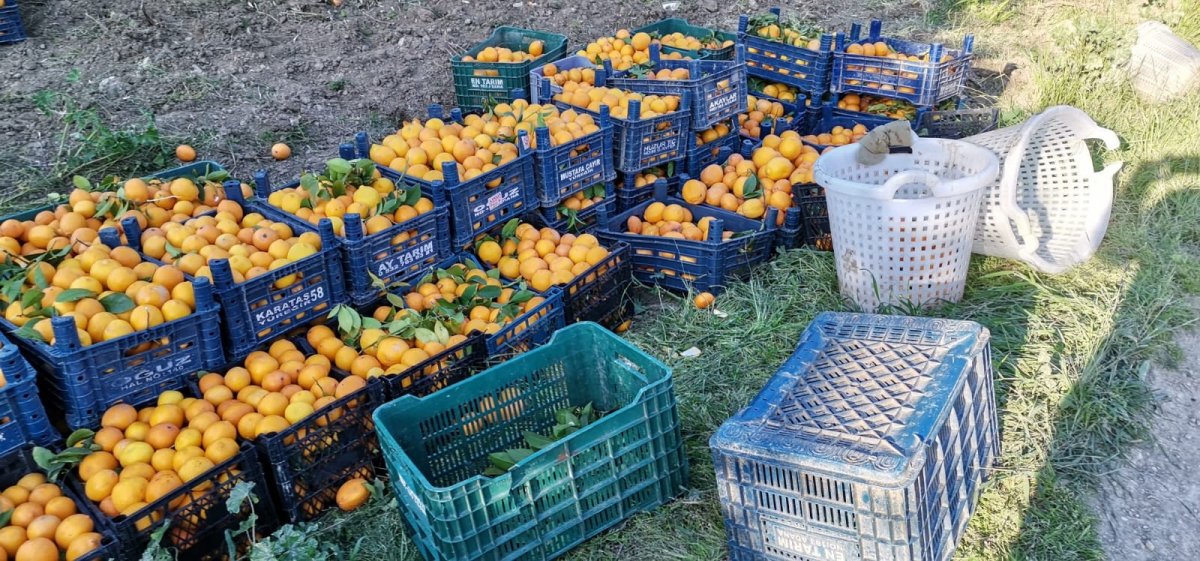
1070	351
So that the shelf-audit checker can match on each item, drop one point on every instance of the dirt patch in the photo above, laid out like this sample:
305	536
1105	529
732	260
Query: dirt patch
232	78
1149	509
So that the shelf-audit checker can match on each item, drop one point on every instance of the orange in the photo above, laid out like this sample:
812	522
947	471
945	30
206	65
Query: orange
129	492
352	494
43	493
16	494
221	450
120	416
161	484
31	481
11	539
195	467
96	462
25	513
61	507
82	545
38	549
136	453
221	429
72	527
272	423
43	526
185	153
210	380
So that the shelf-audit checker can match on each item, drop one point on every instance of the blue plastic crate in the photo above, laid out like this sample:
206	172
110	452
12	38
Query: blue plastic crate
630	460
700	156
795	116
777	61
823	121
395	255
629	197
642	143
490	199
598	295
871	442
23	419
582	221
717	88
922	83
814	215
11	28
80	382
958	123
18	463
566	169
695	265
542	89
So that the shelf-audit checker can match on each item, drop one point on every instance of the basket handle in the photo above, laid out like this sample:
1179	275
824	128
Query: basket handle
888	190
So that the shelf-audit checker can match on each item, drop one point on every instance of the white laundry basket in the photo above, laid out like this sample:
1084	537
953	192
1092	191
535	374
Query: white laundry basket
1049	207
902	229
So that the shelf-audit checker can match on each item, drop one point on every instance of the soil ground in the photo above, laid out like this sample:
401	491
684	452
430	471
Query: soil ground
1148	506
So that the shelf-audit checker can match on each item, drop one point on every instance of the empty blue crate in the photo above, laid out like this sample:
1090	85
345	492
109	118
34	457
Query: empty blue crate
11	28
937	73
871	442
717	88
389	257
778	49
628	461
570	167
734	245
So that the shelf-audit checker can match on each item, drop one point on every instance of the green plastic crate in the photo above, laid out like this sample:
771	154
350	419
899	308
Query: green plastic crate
631	460
478	83
671	25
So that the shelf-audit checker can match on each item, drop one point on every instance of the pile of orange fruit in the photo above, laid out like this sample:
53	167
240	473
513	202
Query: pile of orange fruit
624	49
880	49
712	134
504	54
253	244
543	258
78	222
45	524
758	113
146	454
370	195
690	43
667	74
788	34
777	90
671	221
643	178
894	108
583	200
274	389
420	148
592	97
375	351
108	292
577	75
475	301
750	186
520	115
838	135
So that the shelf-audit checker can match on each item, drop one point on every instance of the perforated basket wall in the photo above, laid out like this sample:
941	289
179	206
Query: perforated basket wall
1049	207
871	442
902	229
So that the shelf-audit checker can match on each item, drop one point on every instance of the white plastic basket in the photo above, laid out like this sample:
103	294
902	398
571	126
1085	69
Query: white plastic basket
902	229
1049	207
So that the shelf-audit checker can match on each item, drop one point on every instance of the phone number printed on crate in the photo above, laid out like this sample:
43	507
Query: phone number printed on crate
583	170
659	147
808	544
288	307
495	201
401	261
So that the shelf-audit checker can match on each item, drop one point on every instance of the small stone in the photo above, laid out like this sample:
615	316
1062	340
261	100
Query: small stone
1149	545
